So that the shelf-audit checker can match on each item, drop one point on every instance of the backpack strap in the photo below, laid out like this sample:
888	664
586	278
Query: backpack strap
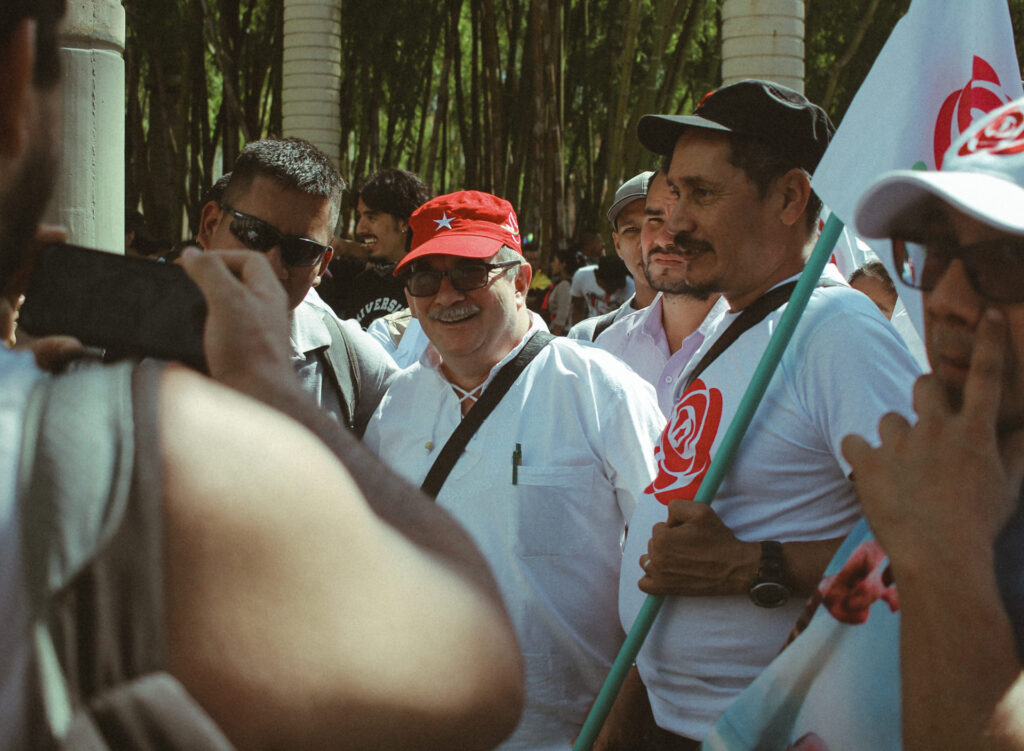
492	395
90	500
753	314
397	323
603	322
340	364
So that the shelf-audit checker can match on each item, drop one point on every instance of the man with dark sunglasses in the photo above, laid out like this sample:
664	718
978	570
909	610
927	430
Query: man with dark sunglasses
182	565
283	200
548	480
920	638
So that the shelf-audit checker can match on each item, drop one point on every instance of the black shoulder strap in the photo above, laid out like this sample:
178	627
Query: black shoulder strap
751	315
478	412
603	322
343	374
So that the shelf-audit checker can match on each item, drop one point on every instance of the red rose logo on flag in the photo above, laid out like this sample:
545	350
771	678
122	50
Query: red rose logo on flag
1002	137
684	452
982	94
865	578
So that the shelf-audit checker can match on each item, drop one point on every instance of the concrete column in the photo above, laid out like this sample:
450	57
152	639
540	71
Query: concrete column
89	196
312	73
763	39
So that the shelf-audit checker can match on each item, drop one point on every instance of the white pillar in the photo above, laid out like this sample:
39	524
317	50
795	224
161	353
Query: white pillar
312	73
763	39
89	195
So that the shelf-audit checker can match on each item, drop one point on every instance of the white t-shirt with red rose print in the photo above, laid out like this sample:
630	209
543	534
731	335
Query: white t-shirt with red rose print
844	368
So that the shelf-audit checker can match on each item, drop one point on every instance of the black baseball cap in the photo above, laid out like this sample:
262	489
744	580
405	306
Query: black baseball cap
775	115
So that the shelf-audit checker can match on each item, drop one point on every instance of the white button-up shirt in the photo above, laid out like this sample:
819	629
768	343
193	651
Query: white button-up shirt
585	426
639	340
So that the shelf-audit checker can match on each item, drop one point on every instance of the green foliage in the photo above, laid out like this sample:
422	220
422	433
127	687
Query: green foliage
536	100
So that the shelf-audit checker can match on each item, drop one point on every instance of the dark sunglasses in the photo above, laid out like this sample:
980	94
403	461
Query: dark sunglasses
256	234
464	277
995	268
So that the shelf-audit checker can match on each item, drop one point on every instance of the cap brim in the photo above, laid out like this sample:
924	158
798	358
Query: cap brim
659	133
891	203
455	244
618	206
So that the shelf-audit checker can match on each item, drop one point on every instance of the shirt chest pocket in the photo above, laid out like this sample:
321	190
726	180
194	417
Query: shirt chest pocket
553	509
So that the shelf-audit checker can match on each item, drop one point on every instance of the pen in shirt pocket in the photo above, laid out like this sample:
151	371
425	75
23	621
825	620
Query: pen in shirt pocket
517	459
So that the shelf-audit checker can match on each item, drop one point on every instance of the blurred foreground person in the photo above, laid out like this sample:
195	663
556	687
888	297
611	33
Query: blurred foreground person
174	552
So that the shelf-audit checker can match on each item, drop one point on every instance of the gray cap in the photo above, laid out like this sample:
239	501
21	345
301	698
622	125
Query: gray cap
629	191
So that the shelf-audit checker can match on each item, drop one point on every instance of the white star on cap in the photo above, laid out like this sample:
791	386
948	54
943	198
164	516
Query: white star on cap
444	222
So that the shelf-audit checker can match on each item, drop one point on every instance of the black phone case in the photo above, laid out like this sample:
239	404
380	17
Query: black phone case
130	307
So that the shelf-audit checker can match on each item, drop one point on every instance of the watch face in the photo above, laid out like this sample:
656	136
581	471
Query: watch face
769	594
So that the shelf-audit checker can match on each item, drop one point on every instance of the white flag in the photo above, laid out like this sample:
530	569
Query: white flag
946	63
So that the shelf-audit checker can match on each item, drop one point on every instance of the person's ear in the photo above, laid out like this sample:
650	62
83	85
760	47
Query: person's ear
208	221
17	60
322	267
523	276
794	191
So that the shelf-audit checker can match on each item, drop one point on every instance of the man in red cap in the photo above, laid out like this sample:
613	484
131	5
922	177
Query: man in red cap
547	500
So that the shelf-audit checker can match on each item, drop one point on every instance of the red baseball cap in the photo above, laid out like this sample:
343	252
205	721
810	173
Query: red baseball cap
469	223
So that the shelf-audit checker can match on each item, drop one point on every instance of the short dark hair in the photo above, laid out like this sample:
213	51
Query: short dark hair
47	14
394	191
214	194
762	165
572	259
611	273
293	163
216	191
875	270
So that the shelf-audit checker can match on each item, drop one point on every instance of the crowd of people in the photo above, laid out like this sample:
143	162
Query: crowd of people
422	508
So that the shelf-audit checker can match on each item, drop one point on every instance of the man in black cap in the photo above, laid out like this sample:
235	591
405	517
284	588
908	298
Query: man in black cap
738	573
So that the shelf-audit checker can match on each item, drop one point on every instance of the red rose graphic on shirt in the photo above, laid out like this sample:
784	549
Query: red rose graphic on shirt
865	578
684	452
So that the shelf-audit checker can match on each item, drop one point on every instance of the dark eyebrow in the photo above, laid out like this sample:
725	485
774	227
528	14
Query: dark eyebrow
651	211
699	180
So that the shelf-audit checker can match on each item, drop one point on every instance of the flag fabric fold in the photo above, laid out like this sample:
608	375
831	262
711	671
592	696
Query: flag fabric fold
946	63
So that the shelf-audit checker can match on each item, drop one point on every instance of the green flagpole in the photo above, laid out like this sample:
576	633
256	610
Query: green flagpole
716	472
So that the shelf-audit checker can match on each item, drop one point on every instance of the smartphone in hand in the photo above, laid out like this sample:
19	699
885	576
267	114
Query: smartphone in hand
129	307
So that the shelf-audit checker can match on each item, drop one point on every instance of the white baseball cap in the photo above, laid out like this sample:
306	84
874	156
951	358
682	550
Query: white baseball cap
982	175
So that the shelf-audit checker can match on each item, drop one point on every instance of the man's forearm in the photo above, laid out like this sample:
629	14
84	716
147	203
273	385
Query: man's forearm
694	553
806	563
630	718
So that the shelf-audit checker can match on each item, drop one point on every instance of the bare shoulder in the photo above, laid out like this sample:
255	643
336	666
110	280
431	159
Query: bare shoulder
285	591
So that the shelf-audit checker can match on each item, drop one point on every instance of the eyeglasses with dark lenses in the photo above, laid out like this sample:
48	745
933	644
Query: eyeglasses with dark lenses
995	268
464	277
256	234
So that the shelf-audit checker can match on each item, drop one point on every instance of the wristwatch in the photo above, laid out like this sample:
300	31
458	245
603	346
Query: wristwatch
770	589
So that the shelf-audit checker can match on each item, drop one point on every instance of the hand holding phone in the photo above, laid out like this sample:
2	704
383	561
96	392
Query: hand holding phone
130	307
